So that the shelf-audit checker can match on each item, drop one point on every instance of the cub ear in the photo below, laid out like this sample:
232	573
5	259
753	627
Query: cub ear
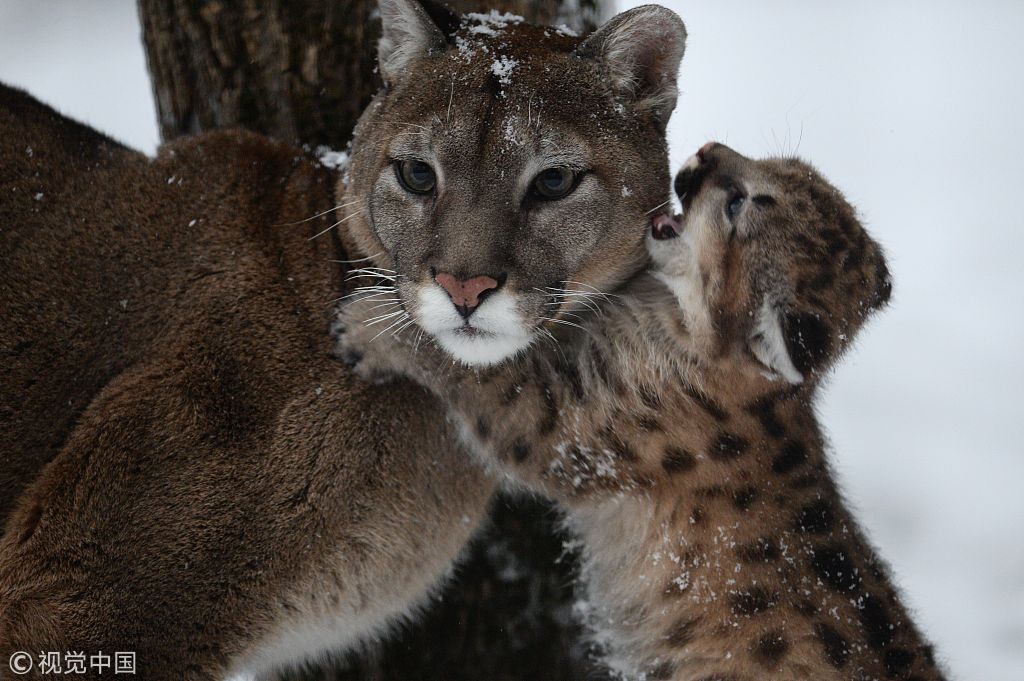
642	49
407	34
767	342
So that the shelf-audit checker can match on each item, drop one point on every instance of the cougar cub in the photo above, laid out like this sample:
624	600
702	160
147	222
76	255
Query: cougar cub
674	421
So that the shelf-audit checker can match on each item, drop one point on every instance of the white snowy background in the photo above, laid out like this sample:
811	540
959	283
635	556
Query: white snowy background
916	110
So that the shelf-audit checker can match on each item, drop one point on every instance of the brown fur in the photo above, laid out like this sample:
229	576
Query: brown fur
188	472
684	446
186	469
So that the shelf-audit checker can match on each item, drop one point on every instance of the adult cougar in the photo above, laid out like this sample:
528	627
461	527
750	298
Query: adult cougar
188	474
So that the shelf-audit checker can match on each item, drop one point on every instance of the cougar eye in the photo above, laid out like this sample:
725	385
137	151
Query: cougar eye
554	183
415	176
732	209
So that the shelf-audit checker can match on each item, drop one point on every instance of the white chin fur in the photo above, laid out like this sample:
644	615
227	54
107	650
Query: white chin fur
497	331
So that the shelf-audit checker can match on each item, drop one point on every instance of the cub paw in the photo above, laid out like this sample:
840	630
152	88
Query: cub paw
369	352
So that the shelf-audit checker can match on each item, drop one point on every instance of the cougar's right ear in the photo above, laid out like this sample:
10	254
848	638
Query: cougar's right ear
642	49
407	34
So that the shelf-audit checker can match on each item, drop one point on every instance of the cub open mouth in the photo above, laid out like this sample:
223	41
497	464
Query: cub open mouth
665	227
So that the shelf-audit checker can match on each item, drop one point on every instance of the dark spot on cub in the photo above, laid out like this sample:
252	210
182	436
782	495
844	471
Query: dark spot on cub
792	455
753	601
764	410
878	625
677	460
744	497
649	397
483	428
710	492
649	424
571	373
823	280
682	632
511	393
812	479
761	550
727	446
816	517
834	567
898	661
550	418
771	647
711	407
614	444
837	649
520	450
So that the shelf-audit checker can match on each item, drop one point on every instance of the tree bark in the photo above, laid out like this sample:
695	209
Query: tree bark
302	71
298	70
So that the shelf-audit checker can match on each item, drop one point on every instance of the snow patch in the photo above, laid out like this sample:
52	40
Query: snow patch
491	23
331	158
502	68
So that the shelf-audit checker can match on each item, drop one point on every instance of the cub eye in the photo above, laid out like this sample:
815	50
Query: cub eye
415	176
732	209
554	183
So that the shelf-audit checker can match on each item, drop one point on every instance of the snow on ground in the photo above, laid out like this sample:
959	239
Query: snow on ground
915	110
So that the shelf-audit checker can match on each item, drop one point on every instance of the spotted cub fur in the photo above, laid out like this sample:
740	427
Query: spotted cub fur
674	421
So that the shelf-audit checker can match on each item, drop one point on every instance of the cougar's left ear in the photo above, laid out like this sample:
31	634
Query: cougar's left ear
642	49
767	342
408	33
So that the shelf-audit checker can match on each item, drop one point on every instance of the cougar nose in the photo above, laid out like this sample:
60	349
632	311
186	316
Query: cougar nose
467	294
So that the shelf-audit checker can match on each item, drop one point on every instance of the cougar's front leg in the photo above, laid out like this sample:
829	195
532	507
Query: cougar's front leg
206	511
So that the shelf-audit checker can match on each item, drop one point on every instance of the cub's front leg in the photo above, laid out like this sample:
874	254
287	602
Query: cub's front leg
379	355
546	419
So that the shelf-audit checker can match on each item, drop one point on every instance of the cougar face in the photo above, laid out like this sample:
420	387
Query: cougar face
505	165
769	257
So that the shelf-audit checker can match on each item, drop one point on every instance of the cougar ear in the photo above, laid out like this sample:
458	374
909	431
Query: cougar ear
642	49
767	342
407	34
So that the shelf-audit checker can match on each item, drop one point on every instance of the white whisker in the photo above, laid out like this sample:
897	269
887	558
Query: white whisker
347	217
400	320
384	317
660	205
352	262
596	291
320	214
368	275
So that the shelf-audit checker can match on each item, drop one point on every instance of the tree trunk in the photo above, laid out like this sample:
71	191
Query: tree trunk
298	70
302	71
